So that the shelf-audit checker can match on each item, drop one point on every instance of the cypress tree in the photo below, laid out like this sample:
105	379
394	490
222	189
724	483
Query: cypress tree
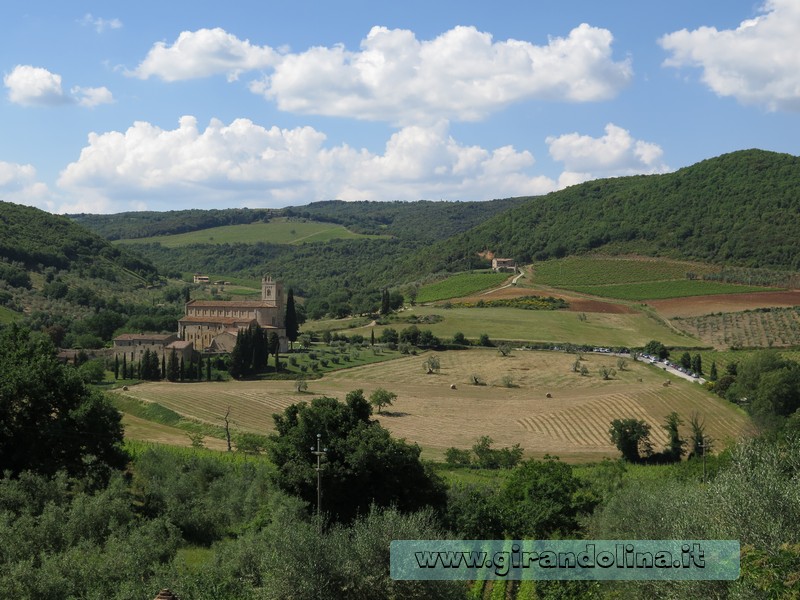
116	366
208	369
124	366
163	366
292	328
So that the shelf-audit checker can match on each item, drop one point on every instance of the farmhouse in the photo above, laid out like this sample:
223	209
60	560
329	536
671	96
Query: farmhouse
504	264
210	325
200	278
133	345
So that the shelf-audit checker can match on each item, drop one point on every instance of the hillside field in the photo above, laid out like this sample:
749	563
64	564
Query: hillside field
460	285
572	424
277	231
603	329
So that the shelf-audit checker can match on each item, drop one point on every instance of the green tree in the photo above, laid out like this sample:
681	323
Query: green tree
292	327
173	367
632	438
543	498
697	364
676	445
363	463
49	419
381	397
686	361
656	348
712	375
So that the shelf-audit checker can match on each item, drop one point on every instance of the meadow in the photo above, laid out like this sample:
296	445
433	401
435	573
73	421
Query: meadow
660	290
460	285
7	315
572	423
604	329
602	270
277	231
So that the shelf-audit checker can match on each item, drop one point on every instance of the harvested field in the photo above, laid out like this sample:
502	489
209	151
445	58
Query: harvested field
148	431
703	305
573	423
576	303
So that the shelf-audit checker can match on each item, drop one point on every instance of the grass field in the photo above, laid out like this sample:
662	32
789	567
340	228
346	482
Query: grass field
573	423
634	329
460	285
277	231
599	270
659	290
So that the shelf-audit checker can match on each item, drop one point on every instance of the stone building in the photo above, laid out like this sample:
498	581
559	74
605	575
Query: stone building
210	324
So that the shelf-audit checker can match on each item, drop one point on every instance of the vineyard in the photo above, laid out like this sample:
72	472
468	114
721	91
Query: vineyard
746	329
512	407
460	285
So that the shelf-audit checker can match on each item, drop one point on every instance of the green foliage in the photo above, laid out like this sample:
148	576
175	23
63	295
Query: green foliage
632	438
363	463
381	397
650	214
656	348
291	324
523	302
487	457
457	458
49	419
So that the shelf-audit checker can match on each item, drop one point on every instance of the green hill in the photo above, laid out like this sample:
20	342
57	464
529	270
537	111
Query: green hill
34	239
740	209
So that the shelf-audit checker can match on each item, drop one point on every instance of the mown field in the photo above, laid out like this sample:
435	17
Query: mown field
278	231
573	423
604	329
460	285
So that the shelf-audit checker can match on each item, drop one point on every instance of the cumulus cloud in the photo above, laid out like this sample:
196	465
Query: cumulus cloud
91	97
462	74
758	63
243	163
203	53
100	24
615	154
18	183
34	86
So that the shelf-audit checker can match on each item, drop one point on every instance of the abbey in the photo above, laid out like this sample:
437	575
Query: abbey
213	325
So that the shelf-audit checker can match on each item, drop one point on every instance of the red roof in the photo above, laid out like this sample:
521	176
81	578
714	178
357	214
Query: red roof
230	304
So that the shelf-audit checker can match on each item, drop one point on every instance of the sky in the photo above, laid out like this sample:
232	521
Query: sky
109	107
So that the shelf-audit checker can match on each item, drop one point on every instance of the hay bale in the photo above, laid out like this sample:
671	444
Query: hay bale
548	395
452	386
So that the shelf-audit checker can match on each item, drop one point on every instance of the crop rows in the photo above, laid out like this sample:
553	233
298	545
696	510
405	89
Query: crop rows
776	327
459	285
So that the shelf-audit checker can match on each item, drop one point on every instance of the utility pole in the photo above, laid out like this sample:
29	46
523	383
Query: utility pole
703	446
319	453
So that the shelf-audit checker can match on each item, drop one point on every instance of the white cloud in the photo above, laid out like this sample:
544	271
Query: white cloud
18	184
91	97
34	86
100	24
615	154
462	74
758	63
203	53
243	163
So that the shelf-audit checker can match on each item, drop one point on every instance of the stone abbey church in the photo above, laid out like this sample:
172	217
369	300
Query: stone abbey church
212	325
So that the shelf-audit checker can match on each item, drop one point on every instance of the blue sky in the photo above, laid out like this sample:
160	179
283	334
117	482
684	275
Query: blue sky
110	107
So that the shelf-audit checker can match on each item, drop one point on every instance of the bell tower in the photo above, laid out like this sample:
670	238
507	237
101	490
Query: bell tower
269	290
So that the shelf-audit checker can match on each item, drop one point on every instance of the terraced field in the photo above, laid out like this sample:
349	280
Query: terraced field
573	423
460	285
747	329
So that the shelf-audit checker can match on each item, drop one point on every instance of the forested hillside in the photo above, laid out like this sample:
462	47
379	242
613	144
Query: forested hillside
37	239
741	208
420	221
